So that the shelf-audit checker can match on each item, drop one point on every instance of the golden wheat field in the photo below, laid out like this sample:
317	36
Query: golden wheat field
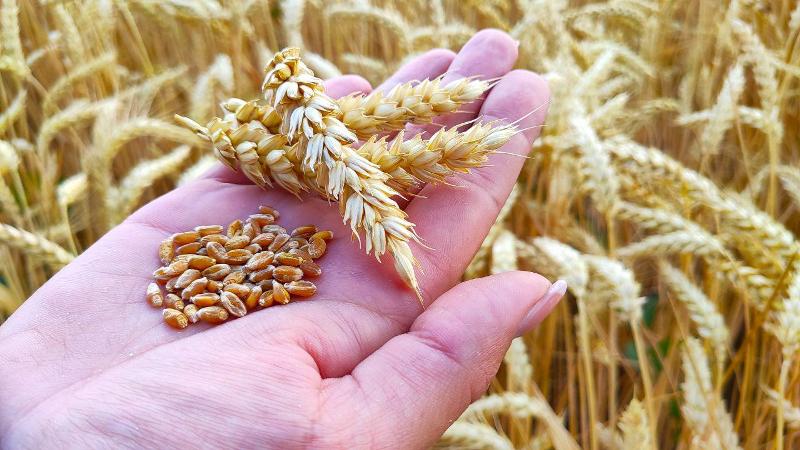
665	187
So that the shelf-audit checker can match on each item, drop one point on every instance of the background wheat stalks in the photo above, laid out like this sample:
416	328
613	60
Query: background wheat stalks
664	187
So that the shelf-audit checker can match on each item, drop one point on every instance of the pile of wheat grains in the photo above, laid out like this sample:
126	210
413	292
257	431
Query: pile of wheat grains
211	274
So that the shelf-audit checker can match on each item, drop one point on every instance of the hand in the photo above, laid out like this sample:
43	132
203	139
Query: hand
85	362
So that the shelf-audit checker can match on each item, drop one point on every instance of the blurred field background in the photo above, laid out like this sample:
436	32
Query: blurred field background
665	187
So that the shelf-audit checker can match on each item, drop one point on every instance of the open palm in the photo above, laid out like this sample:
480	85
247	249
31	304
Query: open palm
85	362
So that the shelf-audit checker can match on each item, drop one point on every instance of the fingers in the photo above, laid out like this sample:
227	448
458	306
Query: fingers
346	85
428	65
473	204
425	378
335	87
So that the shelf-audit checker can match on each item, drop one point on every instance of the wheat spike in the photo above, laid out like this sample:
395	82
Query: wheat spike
703	410
37	247
615	284
735	213
71	190
219	73
558	261
143	175
379	112
11	54
326	69
372	69
94	67
790	412
482	255
194	172
72	36
710	323
634	428
476	436
599	177
521	405
723	112
13	112
518	366
504	253
386	19
448	152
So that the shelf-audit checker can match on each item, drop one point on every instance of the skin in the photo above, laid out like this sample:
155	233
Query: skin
86	363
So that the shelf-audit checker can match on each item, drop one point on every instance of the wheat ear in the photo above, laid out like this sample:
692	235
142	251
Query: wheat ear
447	152
461	435
11	54
522	406
478	261
219	73
13	111
335	169
35	246
380	112
143	175
703	312
785	326
91	68
634	427
703	410
641	162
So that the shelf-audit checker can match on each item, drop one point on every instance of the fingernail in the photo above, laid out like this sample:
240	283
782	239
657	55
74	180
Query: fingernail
543	307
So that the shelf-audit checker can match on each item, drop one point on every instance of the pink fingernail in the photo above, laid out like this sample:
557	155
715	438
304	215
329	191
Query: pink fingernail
543	307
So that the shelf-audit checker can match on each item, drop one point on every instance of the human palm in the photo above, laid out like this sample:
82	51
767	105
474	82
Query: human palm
85	362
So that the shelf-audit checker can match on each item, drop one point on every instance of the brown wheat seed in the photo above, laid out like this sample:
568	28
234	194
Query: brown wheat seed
211	277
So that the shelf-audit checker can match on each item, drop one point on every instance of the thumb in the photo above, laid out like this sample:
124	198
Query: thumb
423	380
